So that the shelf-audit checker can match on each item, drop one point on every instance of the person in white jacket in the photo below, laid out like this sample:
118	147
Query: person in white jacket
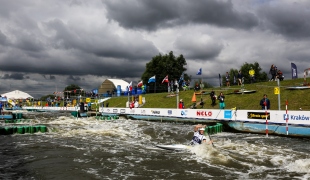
199	137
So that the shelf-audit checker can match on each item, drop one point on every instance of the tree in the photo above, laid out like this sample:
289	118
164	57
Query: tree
205	84
245	68
163	65
73	90
45	98
259	76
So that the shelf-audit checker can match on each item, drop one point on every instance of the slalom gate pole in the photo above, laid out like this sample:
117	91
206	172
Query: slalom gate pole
286	103
266	118
77	113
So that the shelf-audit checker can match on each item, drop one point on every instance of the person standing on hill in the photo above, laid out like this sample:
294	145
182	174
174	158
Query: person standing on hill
265	103
213	98
273	72
181	104
239	77
227	79
221	98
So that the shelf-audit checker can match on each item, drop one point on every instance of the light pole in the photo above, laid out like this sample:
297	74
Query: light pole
279	99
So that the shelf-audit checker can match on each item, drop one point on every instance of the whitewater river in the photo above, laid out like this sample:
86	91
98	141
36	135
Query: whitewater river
125	149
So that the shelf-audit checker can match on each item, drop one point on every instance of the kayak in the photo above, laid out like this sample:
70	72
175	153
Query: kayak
298	87
245	91
176	147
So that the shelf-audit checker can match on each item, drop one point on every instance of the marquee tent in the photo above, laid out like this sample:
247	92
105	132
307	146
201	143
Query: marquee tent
111	84
16	95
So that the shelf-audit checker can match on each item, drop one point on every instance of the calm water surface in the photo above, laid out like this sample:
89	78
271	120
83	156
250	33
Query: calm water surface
125	149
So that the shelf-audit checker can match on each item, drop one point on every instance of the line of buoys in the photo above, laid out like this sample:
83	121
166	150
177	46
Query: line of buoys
79	114
74	113
7	130
18	115
12	116
17	121
107	117
214	129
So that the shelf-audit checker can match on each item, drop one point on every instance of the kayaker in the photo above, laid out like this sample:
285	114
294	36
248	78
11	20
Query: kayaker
198	137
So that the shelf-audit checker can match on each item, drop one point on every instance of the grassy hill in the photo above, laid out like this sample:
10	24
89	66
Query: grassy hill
296	98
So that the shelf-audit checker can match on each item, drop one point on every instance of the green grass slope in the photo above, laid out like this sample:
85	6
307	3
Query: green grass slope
296	98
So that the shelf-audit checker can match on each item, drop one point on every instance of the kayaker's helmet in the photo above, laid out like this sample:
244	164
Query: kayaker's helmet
201	129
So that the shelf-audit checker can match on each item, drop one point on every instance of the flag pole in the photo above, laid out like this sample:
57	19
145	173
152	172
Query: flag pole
155	85
128	96
177	92
220	80
202	86
168	87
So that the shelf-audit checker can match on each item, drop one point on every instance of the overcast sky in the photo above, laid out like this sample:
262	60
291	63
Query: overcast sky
46	45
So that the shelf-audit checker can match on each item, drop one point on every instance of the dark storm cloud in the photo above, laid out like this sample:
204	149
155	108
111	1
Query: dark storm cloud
77	52
74	78
291	20
29	43
193	48
15	76
152	15
52	77
105	44
3	39
43	43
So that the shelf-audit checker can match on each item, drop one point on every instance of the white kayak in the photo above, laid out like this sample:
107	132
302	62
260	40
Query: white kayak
173	147
298	87
245	91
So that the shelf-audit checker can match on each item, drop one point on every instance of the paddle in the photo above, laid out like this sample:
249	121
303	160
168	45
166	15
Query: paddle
222	148
211	140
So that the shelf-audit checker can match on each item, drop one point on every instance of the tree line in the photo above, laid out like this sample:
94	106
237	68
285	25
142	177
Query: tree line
175	67
169	64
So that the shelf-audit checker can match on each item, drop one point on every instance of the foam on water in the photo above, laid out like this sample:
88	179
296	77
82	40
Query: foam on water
300	165
126	149
258	156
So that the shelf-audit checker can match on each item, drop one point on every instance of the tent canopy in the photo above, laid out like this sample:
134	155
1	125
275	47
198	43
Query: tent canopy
111	84
16	95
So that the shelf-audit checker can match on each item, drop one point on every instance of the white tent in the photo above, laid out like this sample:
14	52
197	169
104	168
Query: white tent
16	95
111	84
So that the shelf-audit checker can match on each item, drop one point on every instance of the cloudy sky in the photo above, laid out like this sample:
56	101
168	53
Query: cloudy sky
46	45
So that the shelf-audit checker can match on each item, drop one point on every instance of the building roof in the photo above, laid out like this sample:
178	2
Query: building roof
109	85
16	94
120	82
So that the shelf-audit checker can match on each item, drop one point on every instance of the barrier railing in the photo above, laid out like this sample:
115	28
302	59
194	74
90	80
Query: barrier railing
214	129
